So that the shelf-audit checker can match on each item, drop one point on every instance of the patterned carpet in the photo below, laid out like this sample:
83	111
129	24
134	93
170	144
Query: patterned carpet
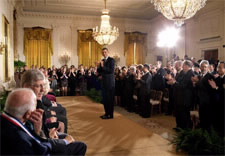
125	135
159	123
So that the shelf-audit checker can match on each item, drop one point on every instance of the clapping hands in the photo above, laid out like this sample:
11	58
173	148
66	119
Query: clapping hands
212	84
36	118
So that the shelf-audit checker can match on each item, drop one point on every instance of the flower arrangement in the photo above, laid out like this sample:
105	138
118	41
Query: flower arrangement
5	88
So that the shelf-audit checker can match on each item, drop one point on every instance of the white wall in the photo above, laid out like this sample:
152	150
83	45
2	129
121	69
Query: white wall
6	9
65	32
158	24
208	22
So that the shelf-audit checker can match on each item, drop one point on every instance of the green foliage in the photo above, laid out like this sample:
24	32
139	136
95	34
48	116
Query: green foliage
19	64
57	92
95	95
199	142
2	101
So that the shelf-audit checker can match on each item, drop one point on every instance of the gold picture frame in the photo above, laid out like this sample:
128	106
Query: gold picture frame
5	51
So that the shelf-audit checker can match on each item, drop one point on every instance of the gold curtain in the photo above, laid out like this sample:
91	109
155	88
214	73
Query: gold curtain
135	47
89	51
38	47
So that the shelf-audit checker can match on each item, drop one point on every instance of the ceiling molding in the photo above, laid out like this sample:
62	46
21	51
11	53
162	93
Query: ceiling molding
135	9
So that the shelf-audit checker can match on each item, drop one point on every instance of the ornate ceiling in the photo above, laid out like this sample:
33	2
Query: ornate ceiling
139	9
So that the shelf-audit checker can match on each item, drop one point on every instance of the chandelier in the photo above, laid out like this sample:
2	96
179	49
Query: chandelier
178	10
106	35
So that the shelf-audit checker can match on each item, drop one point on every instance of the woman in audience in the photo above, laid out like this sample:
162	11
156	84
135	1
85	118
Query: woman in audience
118	86
53	80
123	84
72	80
64	81
82	82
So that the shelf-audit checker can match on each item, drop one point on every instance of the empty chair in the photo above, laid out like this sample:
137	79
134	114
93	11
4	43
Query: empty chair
165	101
155	100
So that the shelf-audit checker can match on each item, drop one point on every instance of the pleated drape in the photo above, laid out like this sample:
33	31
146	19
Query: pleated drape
89	51
135	47
38	47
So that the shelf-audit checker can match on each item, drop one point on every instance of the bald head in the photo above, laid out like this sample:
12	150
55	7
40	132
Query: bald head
20	101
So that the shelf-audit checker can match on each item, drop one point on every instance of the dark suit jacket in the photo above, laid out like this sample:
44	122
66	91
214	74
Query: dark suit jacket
107	72
145	84
183	89
58	145
205	91
218	105
15	141
158	80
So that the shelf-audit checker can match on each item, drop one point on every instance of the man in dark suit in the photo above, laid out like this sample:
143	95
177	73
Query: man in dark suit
218	86
106	69
158	80
183	95
205	93
145	88
15	137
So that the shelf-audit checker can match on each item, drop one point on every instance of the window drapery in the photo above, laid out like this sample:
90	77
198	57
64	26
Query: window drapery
38	47
89	51
135	47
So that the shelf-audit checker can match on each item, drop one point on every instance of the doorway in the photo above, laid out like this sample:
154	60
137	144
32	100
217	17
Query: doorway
211	55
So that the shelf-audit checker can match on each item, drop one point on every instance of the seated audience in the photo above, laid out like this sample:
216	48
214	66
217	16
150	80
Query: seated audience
35	80
16	139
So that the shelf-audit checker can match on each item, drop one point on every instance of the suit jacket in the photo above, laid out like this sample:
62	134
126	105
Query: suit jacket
15	141
220	93
205	90
58	145
145	84
158	80
107	72
218	105
129	84
183	89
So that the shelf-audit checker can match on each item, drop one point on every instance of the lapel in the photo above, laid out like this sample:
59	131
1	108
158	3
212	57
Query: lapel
106	61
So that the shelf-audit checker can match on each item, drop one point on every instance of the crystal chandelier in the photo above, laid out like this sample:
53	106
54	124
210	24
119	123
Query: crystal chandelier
178	10
106	35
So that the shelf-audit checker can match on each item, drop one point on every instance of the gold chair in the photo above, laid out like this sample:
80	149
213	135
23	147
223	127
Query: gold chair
155	100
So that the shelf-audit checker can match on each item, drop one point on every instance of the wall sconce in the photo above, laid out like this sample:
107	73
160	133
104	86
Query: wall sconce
116	57
64	59
2	45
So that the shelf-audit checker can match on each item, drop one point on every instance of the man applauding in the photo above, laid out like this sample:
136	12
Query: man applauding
106	69
16	139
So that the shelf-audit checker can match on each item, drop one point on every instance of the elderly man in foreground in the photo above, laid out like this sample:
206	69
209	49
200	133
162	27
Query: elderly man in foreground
16	139
35	125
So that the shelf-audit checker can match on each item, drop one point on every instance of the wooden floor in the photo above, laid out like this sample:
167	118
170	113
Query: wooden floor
117	137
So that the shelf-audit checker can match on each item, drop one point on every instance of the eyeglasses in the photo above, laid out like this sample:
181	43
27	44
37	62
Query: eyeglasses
38	86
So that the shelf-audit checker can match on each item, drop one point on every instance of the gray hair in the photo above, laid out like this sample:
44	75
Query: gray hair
133	68
204	62
31	76
20	101
188	63
179	62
